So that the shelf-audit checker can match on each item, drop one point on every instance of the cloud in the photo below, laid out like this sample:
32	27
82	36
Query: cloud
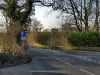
47	16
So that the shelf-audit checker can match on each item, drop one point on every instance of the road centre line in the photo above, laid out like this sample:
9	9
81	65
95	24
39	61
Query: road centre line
63	61
86	72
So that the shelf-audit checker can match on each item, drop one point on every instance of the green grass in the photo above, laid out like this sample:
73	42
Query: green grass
38	45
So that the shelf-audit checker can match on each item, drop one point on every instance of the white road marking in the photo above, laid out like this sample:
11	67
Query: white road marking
87	72
50	71
84	58
63	61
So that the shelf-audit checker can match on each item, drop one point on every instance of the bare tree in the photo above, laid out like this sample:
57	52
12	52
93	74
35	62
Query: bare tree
80	9
36	26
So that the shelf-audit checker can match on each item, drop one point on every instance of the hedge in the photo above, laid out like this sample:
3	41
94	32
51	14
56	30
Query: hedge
43	37
84	39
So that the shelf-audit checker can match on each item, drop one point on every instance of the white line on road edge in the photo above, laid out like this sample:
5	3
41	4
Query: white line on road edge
50	71
87	72
63	61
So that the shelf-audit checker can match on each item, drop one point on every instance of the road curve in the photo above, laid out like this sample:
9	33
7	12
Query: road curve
52	62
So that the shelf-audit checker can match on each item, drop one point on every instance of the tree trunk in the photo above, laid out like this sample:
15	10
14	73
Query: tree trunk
13	29
86	17
96	25
75	16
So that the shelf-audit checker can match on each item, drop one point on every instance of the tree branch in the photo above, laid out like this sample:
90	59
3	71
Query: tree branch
48	5
2	8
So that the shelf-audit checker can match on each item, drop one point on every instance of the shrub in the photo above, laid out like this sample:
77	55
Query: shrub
84	39
7	59
50	39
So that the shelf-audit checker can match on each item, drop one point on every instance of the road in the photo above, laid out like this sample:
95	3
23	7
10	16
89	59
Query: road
52	62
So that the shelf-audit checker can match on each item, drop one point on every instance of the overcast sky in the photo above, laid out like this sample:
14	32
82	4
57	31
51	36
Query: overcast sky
48	17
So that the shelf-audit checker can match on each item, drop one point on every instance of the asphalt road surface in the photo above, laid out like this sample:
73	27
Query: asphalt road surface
52	62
